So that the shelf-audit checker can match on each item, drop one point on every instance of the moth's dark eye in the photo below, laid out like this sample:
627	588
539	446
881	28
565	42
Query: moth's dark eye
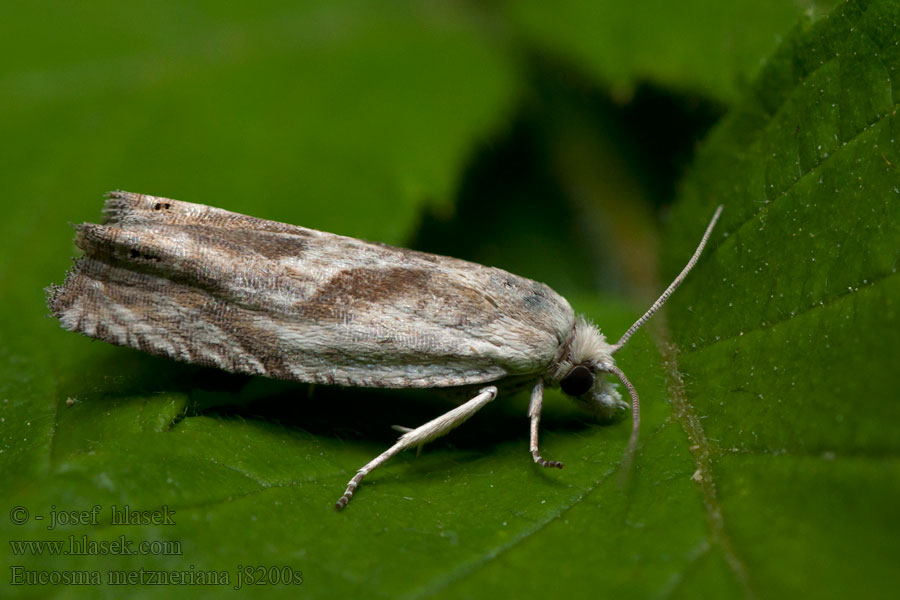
578	381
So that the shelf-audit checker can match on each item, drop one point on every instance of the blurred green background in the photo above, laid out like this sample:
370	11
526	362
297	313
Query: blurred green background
583	144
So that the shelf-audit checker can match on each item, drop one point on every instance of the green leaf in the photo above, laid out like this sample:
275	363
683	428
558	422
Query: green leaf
790	330
281	110
709	48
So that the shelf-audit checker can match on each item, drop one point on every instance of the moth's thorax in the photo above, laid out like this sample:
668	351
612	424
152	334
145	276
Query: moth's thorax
586	345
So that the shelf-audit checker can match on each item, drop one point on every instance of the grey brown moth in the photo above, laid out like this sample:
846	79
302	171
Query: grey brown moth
211	287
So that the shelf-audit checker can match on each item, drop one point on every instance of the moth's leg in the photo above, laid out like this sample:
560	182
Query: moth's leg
534	411
421	435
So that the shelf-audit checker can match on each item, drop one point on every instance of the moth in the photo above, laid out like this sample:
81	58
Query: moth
211	287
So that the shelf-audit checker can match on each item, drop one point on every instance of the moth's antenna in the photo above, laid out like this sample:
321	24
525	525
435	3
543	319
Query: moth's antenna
672	286
636	416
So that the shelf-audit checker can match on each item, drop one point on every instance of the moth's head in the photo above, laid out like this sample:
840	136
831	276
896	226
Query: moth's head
582	372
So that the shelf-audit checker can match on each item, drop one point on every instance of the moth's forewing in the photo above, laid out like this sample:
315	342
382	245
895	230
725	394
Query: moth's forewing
211	287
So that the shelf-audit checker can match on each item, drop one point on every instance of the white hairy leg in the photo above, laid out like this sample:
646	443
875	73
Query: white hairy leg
421	435
534	412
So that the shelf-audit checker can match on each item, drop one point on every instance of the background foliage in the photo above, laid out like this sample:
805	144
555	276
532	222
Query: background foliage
549	139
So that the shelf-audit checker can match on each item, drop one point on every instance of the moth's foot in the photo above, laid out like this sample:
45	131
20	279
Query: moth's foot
544	462
348	493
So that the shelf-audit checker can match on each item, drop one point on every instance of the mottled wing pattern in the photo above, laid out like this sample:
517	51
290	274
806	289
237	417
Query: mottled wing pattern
211	287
